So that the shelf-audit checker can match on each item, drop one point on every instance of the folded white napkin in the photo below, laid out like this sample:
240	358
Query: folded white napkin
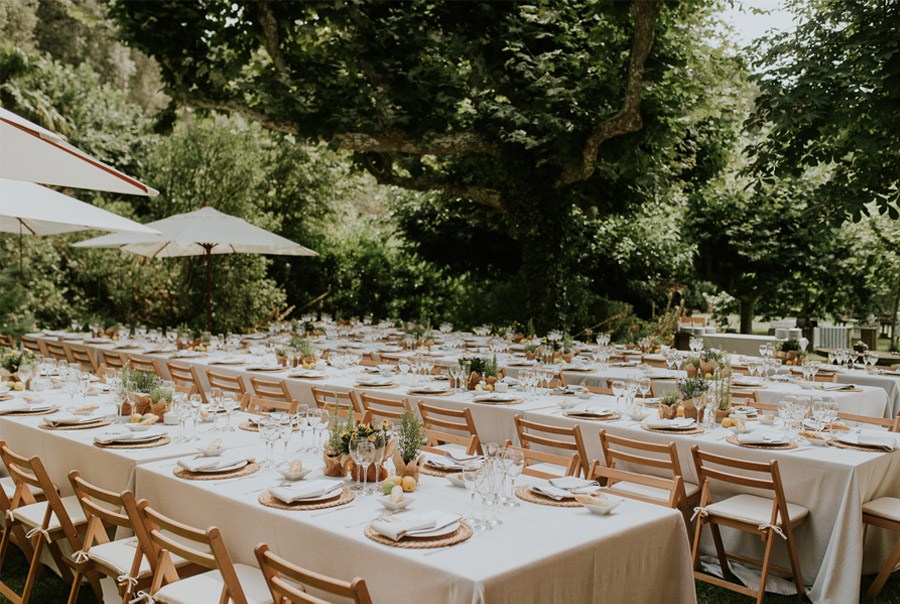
208	464
114	437
867	439
375	381
552	492
307	373
442	462
397	527
492	397
314	489
70	420
761	437
676	423
585	410
831	387
627	364
522	362
571	483
22	407
461	456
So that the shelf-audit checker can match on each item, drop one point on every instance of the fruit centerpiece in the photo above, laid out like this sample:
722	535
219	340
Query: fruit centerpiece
791	352
483	373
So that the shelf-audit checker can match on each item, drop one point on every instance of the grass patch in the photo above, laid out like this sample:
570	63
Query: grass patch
710	594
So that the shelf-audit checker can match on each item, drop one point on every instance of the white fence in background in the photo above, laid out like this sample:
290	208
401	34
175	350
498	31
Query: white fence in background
831	337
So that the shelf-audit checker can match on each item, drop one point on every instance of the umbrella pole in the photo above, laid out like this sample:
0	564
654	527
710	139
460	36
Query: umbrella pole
209	288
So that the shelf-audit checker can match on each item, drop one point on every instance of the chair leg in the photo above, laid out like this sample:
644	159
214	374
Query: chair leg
94	580
885	572
33	568
65	571
76	587
764	571
795	563
720	550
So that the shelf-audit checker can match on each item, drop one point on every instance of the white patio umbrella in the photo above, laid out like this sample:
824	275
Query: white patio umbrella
36	210
27	208
34	154
202	232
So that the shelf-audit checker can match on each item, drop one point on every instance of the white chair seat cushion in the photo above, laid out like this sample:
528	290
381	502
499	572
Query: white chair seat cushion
118	556
33	515
651	492
884	507
9	487
207	587
752	509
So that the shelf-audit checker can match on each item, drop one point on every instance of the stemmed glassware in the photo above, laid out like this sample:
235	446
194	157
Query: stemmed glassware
643	385
182	408
470	479
268	430
215	405
403	366
230	405
362	452
314	417
26	372
513	464
618	388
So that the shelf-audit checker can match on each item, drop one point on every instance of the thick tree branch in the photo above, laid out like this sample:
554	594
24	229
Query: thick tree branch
268	36
192	100
396	142
381	167
628	119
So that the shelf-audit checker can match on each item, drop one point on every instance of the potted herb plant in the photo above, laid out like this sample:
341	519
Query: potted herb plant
410	440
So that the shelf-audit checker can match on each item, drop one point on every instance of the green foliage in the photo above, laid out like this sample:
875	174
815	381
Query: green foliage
830	95
135	380
482	366
410	436
691	387
340	424
669	399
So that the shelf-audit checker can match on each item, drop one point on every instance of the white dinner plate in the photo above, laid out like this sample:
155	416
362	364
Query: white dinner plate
435	532
234	466
135	438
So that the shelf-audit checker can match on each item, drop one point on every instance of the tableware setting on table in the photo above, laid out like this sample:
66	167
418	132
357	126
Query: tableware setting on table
375	381
214	468
496	398
675	425
557	492
588	411
67	421
600	504
864	440
762	439
126	439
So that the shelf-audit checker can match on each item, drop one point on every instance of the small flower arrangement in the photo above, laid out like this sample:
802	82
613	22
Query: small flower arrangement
11	359
692	387
135	380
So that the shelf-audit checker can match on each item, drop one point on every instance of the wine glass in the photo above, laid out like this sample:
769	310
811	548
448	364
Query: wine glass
403	365
644	386
25	372
470	478
618	388
215	405
514	462
485	484
268	430
230	405
314	419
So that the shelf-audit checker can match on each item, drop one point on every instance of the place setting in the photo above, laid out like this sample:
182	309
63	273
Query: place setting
132	436
557	492
375	381
74	421
211	463
677	425
451	462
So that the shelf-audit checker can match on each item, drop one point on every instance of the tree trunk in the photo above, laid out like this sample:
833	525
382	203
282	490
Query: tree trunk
541	217
894	335
747	306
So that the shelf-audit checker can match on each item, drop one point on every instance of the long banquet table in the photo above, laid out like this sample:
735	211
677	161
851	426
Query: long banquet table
539	553
832	483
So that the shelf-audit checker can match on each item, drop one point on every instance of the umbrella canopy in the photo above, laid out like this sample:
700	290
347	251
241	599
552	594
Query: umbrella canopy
205	231
34	154
29	208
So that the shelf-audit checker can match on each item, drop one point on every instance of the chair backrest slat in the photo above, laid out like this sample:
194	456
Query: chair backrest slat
559	438
286	581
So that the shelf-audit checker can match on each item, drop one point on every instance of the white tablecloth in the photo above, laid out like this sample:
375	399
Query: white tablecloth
540	554
833	483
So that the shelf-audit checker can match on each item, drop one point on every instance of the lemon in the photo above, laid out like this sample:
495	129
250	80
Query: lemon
136	418
387	486
728	422
408	484
708	376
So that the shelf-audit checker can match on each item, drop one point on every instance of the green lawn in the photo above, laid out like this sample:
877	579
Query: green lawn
50	588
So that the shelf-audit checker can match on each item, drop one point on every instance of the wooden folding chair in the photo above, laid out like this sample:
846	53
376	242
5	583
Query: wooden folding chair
557	438
883	512
271	389
7	340
129	561
227	383
377	408
258	404
84	358
570	465
112	359
32	345
147	365
657	485
186	375
592	389
328	399
224	580
286	581
769	518
653	362
47	522
892	425
437	422
744	397
56	350
656	459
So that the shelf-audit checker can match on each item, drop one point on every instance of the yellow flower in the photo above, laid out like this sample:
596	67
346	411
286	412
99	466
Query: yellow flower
371	438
